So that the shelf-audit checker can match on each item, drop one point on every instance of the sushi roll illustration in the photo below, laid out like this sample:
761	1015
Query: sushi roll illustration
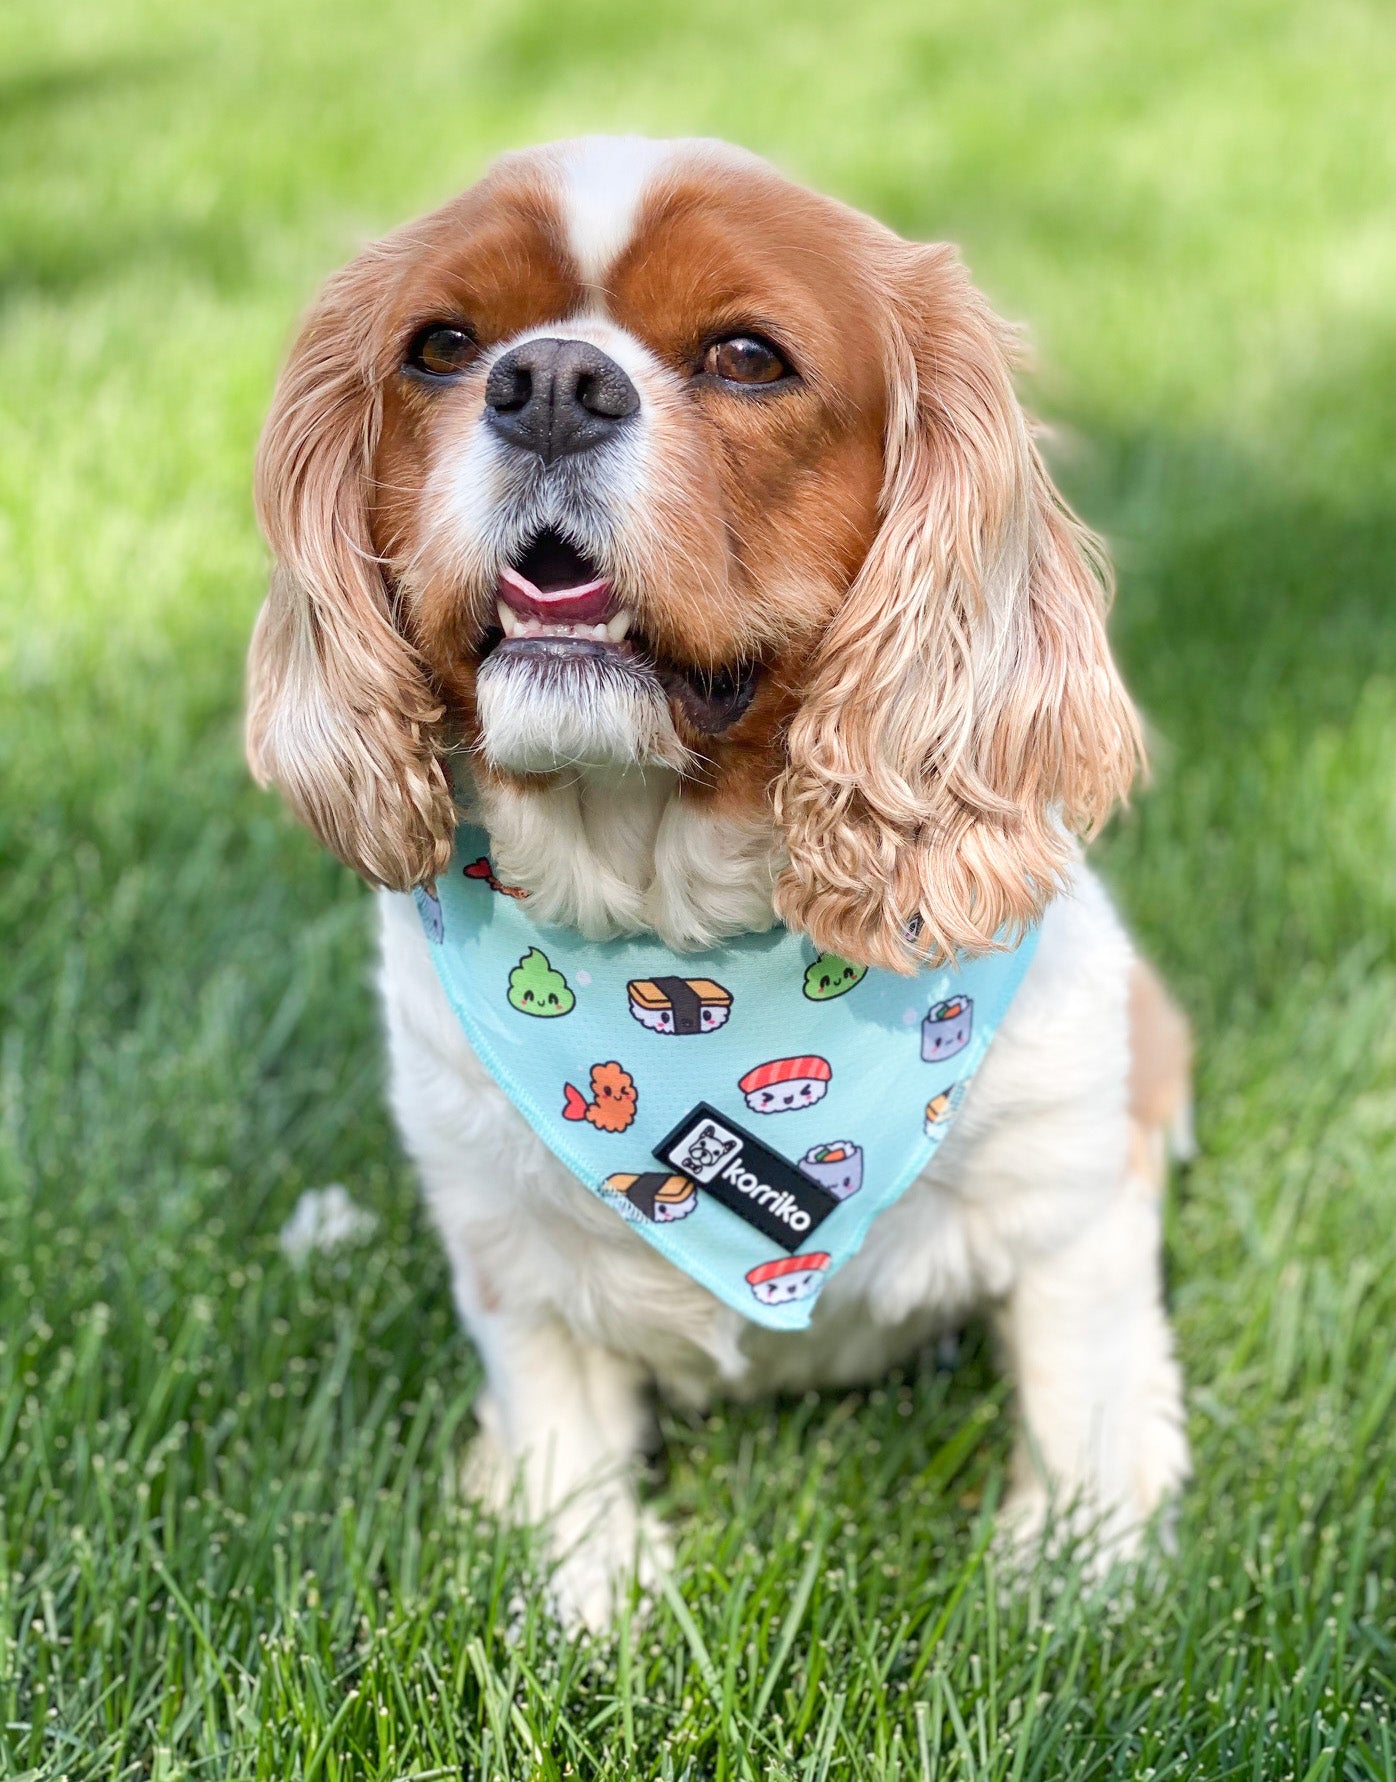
786	1084
788	1278
679	1005
946	1028
837	1167
654	1196
940	1107
429	909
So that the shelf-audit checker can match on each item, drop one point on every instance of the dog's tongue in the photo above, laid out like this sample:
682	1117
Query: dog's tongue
585	603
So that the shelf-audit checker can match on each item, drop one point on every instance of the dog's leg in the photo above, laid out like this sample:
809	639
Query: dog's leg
563	1423
1099	1389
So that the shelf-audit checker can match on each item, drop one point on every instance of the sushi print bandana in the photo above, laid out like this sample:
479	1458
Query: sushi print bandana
750	1110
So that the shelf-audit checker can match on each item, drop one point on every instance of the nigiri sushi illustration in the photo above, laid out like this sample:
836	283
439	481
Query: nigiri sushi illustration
786	1084
940	1107
679	1005
788	1278
654	1196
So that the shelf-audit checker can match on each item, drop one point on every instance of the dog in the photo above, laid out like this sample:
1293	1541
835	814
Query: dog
681	528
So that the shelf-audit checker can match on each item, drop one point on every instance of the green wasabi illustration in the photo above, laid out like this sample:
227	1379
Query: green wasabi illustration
831	976
536	989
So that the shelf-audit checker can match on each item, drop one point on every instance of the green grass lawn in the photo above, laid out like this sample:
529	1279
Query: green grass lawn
229	1544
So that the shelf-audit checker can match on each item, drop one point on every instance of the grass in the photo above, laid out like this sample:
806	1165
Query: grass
228	1546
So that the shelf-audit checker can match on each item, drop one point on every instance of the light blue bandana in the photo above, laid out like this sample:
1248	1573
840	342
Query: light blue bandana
750	1109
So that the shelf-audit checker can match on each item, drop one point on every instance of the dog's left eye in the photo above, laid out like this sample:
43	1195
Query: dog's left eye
441	350
745	359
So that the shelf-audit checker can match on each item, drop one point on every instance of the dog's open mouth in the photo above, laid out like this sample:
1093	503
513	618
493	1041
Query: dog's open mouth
554	607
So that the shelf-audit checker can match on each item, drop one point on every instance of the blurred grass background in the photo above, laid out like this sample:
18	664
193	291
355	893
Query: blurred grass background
228	1547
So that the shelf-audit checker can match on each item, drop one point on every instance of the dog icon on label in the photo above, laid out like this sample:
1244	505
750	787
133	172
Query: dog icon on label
706	1149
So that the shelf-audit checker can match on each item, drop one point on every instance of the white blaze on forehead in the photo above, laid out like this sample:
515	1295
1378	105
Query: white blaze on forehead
603	182
604	179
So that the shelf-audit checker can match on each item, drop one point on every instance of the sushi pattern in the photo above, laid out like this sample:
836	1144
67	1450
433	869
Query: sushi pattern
653	1195
940	1107
947	1028
429	909
536	989
784	1085
788	1278
613	1101
679	1005
831	976
608	1098
837	1167
482	870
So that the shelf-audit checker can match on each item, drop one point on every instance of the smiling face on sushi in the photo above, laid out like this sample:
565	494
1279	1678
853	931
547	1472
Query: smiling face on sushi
837	1167
786	1084
788	1278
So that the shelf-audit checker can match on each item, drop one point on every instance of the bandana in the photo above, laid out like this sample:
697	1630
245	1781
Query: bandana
750	1109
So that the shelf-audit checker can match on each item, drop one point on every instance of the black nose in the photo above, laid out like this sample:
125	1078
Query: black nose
554	397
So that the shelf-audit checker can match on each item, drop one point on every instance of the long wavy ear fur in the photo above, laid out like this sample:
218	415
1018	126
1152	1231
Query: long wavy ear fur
340	714
964	715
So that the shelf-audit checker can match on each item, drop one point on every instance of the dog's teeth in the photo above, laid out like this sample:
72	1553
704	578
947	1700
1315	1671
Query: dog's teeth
516	624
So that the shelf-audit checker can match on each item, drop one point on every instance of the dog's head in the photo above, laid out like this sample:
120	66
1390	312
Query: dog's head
639	454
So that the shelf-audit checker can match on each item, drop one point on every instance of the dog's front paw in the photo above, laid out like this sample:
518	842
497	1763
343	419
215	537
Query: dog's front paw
1102	1529
1035	1528
1162	1463
1109	1506
489	1474
593	1576
1036	1524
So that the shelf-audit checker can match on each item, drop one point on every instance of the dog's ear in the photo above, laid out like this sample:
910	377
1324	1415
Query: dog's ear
963	715
340	714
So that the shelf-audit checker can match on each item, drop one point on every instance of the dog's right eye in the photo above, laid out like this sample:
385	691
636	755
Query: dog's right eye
745	359
441	350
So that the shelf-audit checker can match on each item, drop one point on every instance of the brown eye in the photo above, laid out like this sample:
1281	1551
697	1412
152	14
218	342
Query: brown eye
745	359
441	350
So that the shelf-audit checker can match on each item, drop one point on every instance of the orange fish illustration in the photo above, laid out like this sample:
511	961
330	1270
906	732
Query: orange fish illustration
481	869
614	1099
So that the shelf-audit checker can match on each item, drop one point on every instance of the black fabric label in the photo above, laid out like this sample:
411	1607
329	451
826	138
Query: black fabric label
751	1179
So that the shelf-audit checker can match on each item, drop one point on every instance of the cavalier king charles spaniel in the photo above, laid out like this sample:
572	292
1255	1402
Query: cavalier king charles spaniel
681	528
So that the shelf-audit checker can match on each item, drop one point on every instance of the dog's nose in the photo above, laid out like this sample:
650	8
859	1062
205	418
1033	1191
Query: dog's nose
555	397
